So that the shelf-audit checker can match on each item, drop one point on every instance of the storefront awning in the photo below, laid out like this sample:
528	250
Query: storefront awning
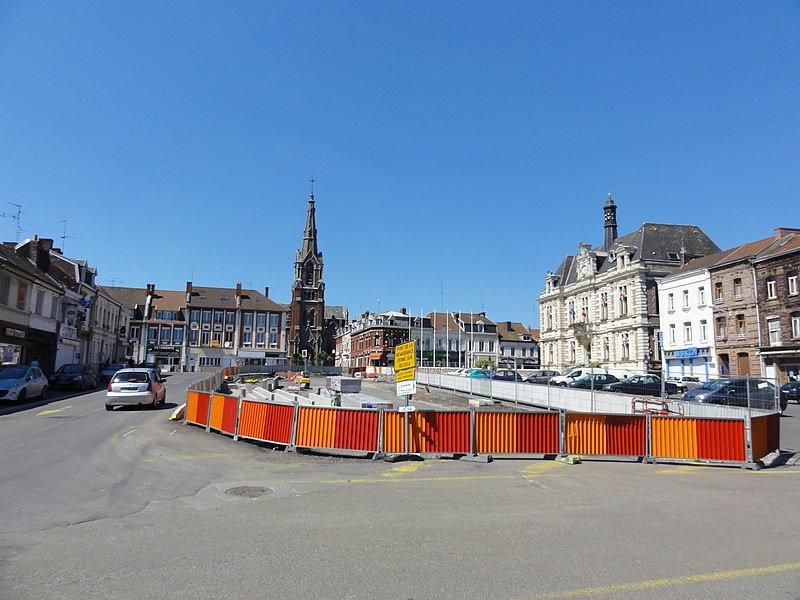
376	355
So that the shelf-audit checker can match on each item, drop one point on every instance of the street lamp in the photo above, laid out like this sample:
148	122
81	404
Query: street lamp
186	320
148	306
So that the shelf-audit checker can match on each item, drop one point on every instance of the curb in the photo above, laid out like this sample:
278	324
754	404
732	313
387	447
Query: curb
178	413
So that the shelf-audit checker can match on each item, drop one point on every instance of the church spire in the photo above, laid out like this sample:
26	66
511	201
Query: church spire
310	233
610	222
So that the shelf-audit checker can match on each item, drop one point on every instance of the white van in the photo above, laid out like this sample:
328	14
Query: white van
565	379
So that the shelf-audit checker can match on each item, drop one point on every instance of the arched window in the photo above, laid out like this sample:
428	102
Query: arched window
309	273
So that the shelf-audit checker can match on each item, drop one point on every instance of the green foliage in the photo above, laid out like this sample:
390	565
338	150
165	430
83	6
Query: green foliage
297	359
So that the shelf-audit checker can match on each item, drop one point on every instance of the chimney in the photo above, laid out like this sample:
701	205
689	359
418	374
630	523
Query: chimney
784	231
508	326
402	311
44	246
238	294
266	292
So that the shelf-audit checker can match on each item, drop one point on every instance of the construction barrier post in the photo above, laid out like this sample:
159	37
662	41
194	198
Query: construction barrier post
238	416
648	438
210	404
292	447
379	453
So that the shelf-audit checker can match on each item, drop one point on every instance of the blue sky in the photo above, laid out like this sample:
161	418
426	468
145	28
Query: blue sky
460	149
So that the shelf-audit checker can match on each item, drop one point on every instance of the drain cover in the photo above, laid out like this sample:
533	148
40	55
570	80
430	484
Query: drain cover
248	491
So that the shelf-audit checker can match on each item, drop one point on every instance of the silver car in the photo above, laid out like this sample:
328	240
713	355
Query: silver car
18	383
135	387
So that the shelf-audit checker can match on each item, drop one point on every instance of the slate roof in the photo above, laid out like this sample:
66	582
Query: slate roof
9	256
509	331
209	297
336	312
656	243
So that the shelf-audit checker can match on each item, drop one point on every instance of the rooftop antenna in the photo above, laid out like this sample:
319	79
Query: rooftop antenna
65	236
312	180
16	217
115	281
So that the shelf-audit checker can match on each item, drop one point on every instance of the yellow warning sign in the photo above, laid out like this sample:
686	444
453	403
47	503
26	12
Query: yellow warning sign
405	357
404	375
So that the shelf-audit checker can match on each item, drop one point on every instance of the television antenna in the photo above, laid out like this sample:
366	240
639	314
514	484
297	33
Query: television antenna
16	217
115	281
64	237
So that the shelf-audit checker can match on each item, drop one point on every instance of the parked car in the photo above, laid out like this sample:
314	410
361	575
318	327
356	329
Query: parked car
734	392
643	385
135	387
572	375
685	383
480	374
593	381
790	391
107	373
18	383
506	375
74	376
540	376
154	367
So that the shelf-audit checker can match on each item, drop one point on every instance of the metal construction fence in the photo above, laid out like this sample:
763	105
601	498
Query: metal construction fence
555	397
472	433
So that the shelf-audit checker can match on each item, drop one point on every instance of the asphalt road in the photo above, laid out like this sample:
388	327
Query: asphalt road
127	504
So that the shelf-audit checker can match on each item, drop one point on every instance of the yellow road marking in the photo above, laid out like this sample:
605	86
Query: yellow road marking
681	470
409	479
52	411
635	586
404	469
541	468
184	457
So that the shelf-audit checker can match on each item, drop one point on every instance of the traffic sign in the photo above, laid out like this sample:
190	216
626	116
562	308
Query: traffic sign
406	388
405	356
400	409
404	375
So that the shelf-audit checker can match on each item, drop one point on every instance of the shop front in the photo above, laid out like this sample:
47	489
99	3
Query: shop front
168	357
689	361
782	364
20	345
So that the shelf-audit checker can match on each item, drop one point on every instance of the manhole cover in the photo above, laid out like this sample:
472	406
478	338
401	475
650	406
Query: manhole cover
248	491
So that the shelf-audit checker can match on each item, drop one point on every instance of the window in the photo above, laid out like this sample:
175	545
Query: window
571	311
491	346
5	287
218	316
701	296
135	332
193	337
774	329
206	316
22	295
260	338
740	330
273	320
247	338
685	298
791	283
550	355
718	295
273	339
772	288
584	309
177	335
230	317
687	333
672	333
205	339
623	300
722	328
248	319
603	306
166	335
549	317
572	355
39	302
670	302
605	349
152	334
626	346
194	315
737	288
703	330
795	325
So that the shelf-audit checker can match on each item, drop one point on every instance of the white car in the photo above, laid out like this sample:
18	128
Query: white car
18	383
686	382
135	387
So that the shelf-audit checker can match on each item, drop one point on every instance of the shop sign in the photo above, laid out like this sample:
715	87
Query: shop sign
688	353
17	333
68	332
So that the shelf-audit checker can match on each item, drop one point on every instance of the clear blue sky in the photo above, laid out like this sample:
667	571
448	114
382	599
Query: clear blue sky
462	147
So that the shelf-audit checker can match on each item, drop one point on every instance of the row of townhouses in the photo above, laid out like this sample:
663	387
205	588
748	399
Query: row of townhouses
451	339
667	297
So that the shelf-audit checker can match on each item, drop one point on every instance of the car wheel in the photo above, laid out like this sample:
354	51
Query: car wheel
109	407
23	393
83	385
43	393
563	384
155	402
164	397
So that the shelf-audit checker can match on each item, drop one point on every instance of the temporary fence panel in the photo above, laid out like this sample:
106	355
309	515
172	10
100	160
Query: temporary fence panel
266	421
496	433
537	433
356	429
766	435
197	407
721	439
673	437
316	427
440	431
394	433
626	435
223	413
586	434
253	420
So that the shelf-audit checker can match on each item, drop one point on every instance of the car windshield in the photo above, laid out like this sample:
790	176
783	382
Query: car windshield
716	384
71	369
12	373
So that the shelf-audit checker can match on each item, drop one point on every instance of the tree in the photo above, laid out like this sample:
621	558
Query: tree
297	359
322	357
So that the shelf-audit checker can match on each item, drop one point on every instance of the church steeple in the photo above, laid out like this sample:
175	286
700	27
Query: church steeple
610	220
310	233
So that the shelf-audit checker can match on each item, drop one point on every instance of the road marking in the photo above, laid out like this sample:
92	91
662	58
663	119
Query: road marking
130	432
184	457
541	468
635	586
415	479
52	411
404	469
